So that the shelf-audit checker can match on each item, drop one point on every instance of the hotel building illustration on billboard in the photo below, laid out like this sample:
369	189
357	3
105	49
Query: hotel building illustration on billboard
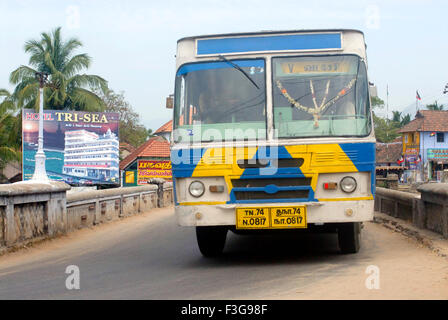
91	156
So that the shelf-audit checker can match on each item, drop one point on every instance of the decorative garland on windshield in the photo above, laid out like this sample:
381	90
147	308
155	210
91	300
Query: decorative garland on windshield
317	110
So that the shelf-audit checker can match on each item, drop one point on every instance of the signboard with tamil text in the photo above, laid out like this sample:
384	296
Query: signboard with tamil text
148	169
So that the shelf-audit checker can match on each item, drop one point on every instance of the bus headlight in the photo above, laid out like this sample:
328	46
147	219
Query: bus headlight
348	184
196	189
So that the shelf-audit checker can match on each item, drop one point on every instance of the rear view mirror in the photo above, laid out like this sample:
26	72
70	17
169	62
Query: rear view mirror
170	101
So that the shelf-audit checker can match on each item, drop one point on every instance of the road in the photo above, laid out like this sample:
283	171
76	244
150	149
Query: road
149	257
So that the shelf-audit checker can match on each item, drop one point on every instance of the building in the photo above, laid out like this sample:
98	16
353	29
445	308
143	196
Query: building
425	143
91	156
125	149
155	151
165	130
12	172
387	156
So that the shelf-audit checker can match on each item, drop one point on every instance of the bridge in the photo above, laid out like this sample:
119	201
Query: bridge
124	243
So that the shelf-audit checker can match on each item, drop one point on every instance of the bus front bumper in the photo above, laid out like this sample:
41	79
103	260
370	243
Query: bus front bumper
316	212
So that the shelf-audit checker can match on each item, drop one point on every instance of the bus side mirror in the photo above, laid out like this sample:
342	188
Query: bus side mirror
373	91
170	101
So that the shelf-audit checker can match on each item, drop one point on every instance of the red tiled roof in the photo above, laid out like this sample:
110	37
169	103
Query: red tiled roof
388	152
167	127
428	120
156	147
126	146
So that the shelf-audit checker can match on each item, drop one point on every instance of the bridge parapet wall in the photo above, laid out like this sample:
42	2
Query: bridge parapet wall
31	212
429	210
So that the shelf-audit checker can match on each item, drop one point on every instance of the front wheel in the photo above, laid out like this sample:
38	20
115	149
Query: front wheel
349	237
211	240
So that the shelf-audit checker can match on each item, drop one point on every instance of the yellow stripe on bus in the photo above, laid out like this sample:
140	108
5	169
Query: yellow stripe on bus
318	158
223	162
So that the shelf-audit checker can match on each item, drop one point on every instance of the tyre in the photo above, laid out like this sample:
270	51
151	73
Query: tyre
349	237
211	240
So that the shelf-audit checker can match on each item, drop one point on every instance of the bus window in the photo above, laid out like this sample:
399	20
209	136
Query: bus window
320	96
219	98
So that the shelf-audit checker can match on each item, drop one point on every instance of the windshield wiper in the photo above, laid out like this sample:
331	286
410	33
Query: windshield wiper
237	67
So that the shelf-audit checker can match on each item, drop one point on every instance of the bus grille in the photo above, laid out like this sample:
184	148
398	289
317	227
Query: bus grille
280	182
272	188
258	195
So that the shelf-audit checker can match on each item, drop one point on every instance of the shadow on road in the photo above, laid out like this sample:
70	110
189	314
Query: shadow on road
276	249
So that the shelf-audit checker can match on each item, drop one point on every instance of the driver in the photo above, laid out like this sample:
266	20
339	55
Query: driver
212	109
206	108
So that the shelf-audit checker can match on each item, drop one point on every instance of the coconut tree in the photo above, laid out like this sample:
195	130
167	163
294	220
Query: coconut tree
396	116
67	87
435	106
405	120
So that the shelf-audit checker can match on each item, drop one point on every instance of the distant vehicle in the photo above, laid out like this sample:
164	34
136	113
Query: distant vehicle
273	131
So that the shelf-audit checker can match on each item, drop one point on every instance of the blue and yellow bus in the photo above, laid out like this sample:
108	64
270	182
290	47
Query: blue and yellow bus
273	131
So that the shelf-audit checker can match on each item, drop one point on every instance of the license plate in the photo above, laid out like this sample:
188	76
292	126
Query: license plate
271	217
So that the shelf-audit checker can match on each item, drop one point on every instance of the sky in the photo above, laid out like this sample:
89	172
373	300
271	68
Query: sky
133	43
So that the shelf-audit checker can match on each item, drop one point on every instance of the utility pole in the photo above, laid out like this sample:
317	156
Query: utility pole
387	122
40	174
387	102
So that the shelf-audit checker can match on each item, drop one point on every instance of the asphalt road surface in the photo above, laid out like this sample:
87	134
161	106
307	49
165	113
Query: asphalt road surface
150	257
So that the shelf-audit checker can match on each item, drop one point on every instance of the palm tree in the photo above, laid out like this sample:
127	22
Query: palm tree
396	116
9	130
67	88
435	106
150	133
405	120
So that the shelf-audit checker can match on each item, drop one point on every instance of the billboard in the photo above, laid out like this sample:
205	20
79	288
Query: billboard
81	148
148	169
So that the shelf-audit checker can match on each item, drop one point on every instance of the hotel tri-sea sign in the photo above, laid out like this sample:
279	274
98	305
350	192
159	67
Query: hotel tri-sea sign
81	148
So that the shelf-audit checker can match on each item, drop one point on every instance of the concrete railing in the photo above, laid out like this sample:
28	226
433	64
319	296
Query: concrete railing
429	210
31	212
89	208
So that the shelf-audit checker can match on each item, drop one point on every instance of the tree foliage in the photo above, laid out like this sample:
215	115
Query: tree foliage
396	116
387	130
131	130
435	106
67	87
405	120
376	102
10	129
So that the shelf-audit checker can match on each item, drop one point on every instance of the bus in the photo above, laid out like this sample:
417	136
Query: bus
273	131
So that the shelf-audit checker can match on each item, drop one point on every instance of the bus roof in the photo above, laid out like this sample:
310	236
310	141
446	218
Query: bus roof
269	32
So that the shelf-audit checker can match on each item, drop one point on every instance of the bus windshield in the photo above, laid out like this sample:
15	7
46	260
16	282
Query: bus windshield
316	96
223	100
